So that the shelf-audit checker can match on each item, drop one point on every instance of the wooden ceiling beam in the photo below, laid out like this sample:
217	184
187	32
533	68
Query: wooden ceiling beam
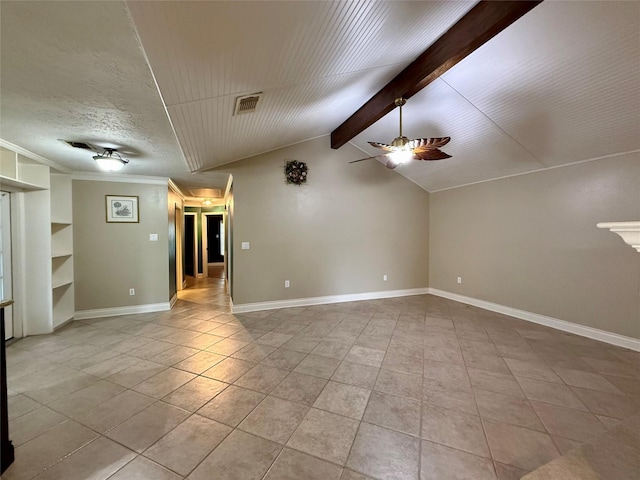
484	21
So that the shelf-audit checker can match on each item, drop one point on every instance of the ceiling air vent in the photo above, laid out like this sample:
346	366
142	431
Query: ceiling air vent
247	104
84	146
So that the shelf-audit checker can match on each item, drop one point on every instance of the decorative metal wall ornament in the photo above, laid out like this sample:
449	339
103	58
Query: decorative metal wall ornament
295	172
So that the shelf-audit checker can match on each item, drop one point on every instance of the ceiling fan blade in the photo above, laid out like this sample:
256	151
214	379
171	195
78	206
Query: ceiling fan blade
363	159
383	146
424	143
431	154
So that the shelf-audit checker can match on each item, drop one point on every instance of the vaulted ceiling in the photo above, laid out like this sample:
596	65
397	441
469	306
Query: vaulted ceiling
159	80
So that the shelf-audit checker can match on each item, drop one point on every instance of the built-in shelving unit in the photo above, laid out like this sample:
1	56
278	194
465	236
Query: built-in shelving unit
41	238
21	174
61	239
62	271
63	304
61	249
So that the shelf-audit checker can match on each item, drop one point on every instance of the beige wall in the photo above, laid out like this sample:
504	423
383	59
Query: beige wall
338	234
111	258
531	242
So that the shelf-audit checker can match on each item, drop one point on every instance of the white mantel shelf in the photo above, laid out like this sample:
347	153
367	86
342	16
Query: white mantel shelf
629	231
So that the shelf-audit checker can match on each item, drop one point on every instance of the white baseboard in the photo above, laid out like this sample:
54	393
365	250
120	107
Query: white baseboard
582	330
305	302
173	301
116	311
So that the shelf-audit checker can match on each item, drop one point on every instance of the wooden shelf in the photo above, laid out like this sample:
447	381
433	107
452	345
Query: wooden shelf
14	185
19	173
61	240
63	303
62	283
57	227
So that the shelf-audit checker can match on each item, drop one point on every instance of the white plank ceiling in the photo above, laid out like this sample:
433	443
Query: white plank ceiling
559	86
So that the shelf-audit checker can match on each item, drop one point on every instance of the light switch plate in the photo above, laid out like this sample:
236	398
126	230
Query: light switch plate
246	245
153	237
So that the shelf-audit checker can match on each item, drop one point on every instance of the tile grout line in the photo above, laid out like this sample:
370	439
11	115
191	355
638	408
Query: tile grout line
102	345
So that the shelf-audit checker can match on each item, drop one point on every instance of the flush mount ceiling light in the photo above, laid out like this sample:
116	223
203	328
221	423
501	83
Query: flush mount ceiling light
110	160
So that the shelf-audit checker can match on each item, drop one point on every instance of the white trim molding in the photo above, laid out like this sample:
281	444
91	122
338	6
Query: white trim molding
629	231
119	178
227	188
173	301
176	189
582	330
116	311
305	302
33	156
543	169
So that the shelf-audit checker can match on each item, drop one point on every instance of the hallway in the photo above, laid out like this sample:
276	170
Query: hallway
210	291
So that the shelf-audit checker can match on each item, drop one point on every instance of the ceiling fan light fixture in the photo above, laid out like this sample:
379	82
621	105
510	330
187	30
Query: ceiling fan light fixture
402	150
401	156
110	160
400	142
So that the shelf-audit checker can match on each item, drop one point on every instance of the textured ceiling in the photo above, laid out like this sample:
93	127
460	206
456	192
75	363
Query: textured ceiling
75	71
561	85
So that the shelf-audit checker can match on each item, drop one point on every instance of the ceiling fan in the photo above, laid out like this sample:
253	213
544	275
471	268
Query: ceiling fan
403	150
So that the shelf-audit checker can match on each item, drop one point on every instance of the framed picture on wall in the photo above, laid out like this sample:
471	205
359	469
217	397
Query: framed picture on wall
122	209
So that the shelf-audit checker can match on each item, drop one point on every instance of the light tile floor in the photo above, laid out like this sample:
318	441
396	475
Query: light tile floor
407	388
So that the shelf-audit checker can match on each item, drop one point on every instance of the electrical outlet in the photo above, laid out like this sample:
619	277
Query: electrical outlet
153	237
384	277
286	284
132	291
459	279
246	245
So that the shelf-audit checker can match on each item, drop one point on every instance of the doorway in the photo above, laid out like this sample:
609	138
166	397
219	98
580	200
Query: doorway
213	239
179	224
5	262
207	282
190	250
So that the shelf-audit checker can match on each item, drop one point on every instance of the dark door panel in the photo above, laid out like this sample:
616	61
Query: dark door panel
214	239
189	241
